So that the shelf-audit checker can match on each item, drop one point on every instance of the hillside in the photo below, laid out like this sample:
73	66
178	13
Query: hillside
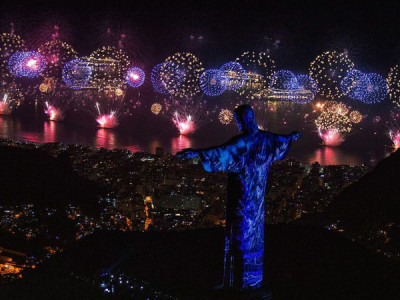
33	176
302	262
373	200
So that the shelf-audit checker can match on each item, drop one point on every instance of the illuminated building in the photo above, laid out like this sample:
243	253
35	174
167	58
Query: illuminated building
9	268
148	208
159	151
106	74
297	95
253	83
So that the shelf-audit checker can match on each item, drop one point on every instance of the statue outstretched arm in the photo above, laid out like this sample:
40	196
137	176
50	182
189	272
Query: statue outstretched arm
282	144
228	157
188	153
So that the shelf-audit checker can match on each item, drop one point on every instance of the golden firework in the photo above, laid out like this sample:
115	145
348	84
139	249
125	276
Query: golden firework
332	120
119	92
109	66
355	117
393	84
259	67
56	53
156	108
181	73
9	44
43	88
328	70
225	116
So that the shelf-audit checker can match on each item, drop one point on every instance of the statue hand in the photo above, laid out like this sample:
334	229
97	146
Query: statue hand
187	153
296	135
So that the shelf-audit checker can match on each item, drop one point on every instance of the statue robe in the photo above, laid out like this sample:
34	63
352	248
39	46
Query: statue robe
246	158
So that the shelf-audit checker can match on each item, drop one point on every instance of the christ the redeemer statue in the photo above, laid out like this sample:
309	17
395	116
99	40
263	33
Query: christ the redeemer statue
246	158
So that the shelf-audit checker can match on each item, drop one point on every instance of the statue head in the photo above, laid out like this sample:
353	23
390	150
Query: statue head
244	116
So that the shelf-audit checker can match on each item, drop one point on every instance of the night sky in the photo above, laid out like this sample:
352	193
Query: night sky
294	32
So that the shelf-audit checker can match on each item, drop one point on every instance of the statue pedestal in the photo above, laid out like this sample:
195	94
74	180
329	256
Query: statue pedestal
260	294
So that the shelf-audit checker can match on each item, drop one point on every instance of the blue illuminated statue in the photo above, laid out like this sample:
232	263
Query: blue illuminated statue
246	158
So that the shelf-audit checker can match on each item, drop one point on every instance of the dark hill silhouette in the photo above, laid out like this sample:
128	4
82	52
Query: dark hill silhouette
368	211
368	206
372	200
301	262
33	176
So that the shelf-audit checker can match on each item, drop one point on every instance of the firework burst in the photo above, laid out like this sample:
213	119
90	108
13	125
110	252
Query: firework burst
187	114
29	64
56	54
351	84
76	74
212	82
181	73
331	137
333	127
259	67
225	116
284	80
184	123
57	101
233	75
157	81
54	113
10	98
375	89
355	117
109	67
328	70
393	83
107	120
394	135
338	108
9	44
156	108
109	108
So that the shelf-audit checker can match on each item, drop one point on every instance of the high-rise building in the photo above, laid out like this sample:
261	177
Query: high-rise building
148	207
159	151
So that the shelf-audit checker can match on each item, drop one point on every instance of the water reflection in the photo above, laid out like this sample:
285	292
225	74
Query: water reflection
132	148
108	138
24	131
36	130
105	138
333	156
49	132
7	125
179	143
